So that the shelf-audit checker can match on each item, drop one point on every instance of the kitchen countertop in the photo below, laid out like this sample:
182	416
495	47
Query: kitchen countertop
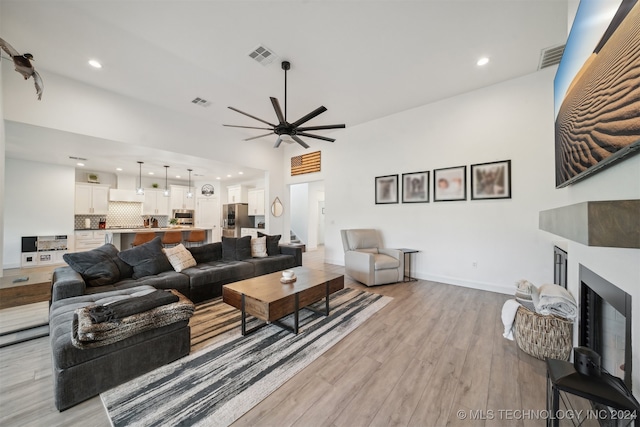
140	229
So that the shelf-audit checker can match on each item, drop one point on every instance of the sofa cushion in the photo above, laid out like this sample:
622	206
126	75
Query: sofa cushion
146	259
236	248
259	247
65	355
100	266
243	248
272	243
272	264
169	279
228	248
207	253
179	257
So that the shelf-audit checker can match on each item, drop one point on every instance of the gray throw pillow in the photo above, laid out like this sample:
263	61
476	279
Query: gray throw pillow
146	259
272	243
229	248
207	253
243	248
100	266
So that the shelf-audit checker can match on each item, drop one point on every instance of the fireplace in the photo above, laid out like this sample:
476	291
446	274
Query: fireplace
605	323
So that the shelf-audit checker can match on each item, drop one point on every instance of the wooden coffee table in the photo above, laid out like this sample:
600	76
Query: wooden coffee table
269	300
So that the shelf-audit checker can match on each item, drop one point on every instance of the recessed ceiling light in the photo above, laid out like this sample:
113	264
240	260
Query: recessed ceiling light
79	164
177	176
218	178
119	169
229	176
482	61
240	173
150	173
95	64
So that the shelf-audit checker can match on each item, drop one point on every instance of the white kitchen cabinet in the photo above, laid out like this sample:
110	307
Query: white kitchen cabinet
87	240
179	199
92	199
256	202
155	203
237	194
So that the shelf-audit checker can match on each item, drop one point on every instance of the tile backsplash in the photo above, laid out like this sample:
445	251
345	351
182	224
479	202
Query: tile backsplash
121	214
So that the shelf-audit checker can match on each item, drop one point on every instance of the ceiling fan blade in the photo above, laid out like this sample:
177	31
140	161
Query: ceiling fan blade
253	117
308	135
245	127
299	141
309	116
322	127
260	136
276	106
278	142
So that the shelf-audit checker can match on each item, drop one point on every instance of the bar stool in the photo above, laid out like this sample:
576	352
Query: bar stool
171	238
143	237
196	237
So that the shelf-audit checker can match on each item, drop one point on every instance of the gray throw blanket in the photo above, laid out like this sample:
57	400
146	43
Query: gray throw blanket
86	334
118	310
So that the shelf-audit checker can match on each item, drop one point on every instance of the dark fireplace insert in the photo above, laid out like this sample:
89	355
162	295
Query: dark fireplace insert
605	323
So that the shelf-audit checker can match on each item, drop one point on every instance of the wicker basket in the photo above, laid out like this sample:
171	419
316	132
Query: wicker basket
543	336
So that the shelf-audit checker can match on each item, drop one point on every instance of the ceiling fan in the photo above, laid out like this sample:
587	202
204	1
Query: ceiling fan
284	129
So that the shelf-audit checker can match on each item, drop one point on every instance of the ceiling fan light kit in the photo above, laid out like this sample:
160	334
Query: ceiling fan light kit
288	132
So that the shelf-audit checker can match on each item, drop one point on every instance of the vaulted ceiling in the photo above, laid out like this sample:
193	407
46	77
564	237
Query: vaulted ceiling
361	59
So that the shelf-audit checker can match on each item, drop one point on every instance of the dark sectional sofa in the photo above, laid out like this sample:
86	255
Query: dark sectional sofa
104	269
105	274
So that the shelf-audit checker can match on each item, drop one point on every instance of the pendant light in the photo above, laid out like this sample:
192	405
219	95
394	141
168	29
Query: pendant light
166	188
140	190
189	194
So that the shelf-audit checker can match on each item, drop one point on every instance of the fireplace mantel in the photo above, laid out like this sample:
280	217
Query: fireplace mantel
613	224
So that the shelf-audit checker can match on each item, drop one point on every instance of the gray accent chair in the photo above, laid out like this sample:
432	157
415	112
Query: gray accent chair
366	261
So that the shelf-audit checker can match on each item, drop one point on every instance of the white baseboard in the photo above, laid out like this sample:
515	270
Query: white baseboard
490	287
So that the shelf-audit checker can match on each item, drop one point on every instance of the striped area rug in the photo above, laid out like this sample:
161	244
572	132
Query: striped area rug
217	384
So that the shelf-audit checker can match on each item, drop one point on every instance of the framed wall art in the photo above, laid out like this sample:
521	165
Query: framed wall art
450	184
415	187
386	189
491	180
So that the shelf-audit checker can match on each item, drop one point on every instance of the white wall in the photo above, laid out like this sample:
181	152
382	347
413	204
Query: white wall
39	201
2	176
513	120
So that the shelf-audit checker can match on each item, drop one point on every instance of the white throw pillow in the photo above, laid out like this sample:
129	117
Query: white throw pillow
259	247
179	257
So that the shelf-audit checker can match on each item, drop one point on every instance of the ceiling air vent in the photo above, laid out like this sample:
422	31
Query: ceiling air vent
201	102
550	56
263	55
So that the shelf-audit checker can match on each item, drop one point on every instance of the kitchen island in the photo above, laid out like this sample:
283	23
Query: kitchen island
122	238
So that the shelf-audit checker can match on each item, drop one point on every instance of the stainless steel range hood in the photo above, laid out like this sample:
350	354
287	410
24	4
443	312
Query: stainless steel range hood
126	191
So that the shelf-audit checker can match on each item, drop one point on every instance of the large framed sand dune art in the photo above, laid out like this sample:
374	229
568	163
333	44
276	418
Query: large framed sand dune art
597	90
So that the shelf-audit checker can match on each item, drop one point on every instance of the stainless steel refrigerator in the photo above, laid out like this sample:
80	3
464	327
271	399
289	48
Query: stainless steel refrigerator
235	217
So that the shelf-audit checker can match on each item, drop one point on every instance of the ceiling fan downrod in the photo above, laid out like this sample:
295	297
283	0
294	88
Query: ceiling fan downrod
286	66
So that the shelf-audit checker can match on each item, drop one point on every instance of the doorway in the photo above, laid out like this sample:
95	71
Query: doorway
307	212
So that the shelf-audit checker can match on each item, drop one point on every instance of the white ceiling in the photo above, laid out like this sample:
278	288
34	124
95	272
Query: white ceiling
361	59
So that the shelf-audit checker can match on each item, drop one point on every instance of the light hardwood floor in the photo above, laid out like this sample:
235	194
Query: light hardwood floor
433	351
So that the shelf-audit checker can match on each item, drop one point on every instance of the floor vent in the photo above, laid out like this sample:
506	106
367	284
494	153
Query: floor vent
263	55
550	56
201	102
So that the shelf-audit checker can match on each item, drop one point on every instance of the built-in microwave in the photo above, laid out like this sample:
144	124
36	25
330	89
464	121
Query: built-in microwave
183	216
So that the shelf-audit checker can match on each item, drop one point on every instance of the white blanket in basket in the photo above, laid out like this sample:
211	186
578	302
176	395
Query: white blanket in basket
509	310
556	300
